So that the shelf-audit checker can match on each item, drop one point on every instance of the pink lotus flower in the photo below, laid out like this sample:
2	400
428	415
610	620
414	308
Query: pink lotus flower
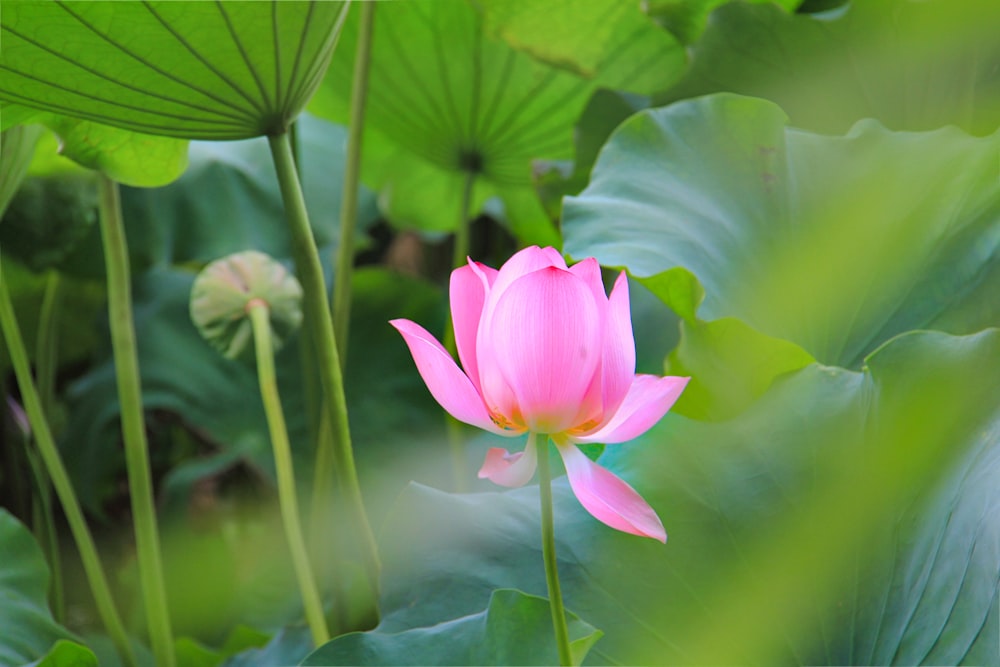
546	351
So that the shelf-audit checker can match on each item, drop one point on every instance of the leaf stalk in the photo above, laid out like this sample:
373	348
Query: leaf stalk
133	423
60	480
318	317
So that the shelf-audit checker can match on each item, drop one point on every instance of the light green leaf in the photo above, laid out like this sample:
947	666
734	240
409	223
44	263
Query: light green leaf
12	115
910	65
687	18
287	647
228	201
128	157
17	146
730	365
609	40
192	70
447	102
563	33
835	244
514	629
193	654
28	628
67	654
679	289
844	518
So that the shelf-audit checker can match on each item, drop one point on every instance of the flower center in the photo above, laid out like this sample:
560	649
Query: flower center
502	421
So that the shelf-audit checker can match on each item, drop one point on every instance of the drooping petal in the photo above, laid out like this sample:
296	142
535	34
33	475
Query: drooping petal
608	497
449	386
467	293
546	339
506	469
648	399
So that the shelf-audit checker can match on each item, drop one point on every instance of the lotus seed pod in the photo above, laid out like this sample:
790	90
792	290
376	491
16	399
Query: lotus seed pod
223	291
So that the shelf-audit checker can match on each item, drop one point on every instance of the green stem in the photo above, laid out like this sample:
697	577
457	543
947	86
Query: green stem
60	480
293	138
317	314
44	526
133	423
344	267
46	363
460	254
352	176
260	319
549	553
46	349
463	232
327	551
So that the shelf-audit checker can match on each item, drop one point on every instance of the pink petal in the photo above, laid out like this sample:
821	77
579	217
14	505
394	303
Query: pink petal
608	497
445	380
545	336
591	408
648	399
618	360
506	469
494	387
589	271
526	261
467	293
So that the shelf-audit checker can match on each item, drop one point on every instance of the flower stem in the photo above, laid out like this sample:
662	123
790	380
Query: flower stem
549	553
60	480
259	318
133	423
317	315
352	176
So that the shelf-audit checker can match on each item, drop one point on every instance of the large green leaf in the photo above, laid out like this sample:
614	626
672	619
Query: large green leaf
835	244
844	518
28	630
448	102
514	629
911	65
193	70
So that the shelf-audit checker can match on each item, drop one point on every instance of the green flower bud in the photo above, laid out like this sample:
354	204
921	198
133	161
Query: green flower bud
224	290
